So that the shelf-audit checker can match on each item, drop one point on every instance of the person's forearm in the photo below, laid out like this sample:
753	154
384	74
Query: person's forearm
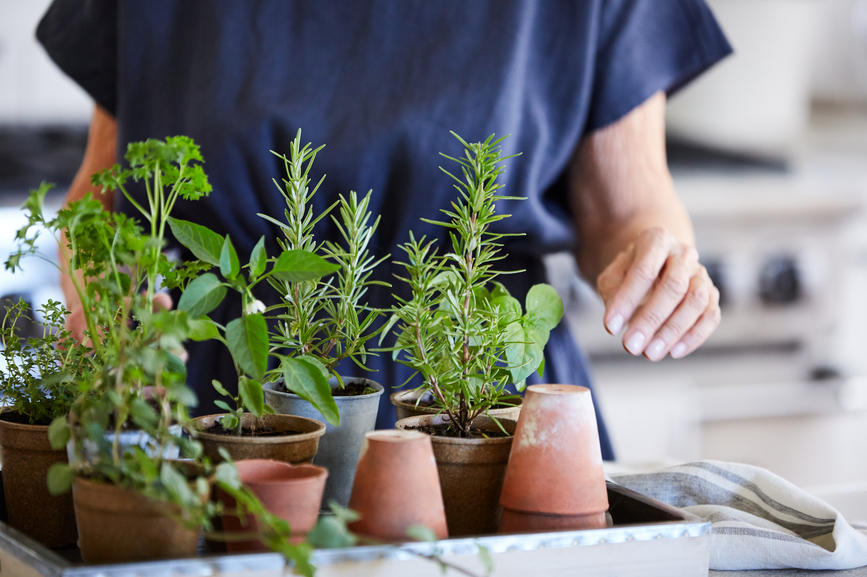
100	154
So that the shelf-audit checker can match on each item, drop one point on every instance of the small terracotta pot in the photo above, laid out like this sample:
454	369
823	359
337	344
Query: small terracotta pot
292	492
405	407
118	525
397	486
295	449
471	474
556	463
27	455
520	522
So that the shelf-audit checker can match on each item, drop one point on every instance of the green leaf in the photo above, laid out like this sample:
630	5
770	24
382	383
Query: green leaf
258	258
203	329
177	485
229	422
306	380
301	265
331	533
223	405
252	396
523	351
421	533
143	414
60	477
544	306
204	243
229	265
247	338
58	433
220	389
228	476
486	559
510	308
202	295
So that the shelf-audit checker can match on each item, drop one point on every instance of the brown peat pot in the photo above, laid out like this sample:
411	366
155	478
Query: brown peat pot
26	456
555	467
404	405
397	486
471	473
296	449
118	525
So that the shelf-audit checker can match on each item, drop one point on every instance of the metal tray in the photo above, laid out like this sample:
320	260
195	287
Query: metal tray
647	538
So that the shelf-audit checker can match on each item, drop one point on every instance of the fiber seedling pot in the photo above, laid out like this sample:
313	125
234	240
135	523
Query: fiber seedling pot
27	455
296	449
404	405
397	487
471	473
118	525
291	492
339	447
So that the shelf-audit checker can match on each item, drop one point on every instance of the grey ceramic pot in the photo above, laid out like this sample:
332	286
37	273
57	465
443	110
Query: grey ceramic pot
339	447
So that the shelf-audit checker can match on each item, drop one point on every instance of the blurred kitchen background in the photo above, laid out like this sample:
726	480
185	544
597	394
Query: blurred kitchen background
768	151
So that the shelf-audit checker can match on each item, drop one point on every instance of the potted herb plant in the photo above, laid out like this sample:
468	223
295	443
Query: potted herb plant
323	322
38	385
468	339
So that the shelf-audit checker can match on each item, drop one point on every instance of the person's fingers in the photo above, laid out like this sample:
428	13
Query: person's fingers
697	300
698	334
607	284
669	290
651	250
163	301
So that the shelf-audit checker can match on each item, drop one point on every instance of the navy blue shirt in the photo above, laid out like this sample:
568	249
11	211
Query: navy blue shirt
381	83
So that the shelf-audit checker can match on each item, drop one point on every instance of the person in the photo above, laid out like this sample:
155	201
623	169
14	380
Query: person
580	86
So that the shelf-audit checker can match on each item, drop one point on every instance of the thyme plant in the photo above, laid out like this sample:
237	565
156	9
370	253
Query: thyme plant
461	329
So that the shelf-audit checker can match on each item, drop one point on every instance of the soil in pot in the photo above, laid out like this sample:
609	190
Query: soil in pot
118	525
294	440
26	455
471	471
555	467
405	405
339	447
397	486
292	492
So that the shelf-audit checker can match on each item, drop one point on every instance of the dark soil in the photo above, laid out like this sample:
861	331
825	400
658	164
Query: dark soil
350	390
446	430
218	429
19	419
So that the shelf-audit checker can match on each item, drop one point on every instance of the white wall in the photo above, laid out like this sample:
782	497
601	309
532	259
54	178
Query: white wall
32	88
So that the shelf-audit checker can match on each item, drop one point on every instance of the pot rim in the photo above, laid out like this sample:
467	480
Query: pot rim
269	388
19	426
318	472
434	410
457	440
231	439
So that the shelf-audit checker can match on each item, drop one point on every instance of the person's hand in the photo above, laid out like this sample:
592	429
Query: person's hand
659	292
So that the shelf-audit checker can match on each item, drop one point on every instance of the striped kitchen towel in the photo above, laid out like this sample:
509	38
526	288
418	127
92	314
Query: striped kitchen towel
759	520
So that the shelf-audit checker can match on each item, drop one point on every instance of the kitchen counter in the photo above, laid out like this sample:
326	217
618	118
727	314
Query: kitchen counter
860	572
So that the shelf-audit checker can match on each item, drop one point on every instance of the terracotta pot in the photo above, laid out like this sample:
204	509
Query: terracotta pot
292	492
118	525
295	449
404	405
471	474
520	522
556	463
397	486
340	446
26	456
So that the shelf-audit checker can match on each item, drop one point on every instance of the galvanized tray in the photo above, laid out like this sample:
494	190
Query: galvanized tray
648	538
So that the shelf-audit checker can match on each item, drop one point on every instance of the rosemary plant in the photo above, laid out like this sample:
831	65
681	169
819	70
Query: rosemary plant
461	329
323	322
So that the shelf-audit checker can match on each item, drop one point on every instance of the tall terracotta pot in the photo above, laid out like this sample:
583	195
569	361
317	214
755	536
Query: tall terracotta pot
295	449
471	473
291	492
397	486
118	525
26	455
405	405
555	467
340	446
